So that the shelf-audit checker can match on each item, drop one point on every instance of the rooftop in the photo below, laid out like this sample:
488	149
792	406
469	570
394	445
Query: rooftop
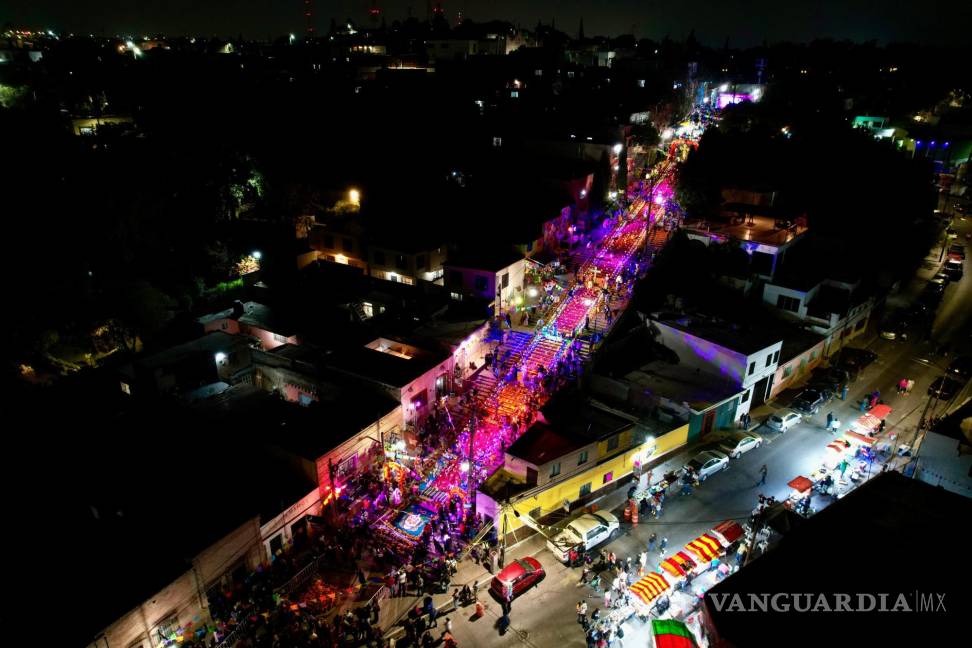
759	229
216	341
682	384
541	443
490	259
386	366
742	337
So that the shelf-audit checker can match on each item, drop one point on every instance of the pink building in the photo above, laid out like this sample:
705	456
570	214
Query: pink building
255	320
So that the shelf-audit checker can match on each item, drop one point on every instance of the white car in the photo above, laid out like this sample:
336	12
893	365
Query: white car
706	463
585	532
783	421
739	443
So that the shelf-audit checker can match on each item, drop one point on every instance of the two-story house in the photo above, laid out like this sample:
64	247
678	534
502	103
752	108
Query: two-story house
496	276
578	451
839	310
252	319
742	354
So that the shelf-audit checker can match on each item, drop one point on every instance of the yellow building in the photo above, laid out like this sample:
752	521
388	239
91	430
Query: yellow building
575	456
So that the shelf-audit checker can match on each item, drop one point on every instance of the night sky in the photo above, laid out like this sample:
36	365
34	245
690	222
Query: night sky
746	23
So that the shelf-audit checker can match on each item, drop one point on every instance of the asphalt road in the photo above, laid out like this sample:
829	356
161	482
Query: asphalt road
544	616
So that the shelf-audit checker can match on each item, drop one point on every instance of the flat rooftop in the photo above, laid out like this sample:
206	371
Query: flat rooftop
680	383
390	366
740	336
763	230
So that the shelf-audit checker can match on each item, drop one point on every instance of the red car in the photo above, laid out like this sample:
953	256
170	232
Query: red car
516	578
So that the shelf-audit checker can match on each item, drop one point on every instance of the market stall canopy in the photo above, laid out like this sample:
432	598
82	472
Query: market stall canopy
671	633
800	483
705	547
728	532
650	587
856	437
880	412
839	446
679	564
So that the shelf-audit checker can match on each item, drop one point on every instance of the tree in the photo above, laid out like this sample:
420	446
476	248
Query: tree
140	311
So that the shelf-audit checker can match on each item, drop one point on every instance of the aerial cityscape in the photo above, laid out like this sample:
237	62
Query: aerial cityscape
541	324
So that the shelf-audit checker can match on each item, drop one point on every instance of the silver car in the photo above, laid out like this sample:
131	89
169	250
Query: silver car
706	463
783	421
739	443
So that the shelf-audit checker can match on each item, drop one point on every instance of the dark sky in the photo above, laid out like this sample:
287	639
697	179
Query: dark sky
746	23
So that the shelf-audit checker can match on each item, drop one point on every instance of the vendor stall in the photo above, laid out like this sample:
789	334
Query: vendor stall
647	590
679	565
728	533
705	548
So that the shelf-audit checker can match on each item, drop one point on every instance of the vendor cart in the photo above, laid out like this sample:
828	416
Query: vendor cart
705	548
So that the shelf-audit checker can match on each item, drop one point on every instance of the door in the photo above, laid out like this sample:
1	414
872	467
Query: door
708	419
531	476
759	393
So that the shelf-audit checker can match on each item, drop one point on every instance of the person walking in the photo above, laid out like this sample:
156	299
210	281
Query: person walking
662	545
762	475
651	541
834	426
830	419
582	613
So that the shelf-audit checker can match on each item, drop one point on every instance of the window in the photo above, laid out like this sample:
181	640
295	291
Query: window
585	489
582	458
613	442
347	244
506	280
776	357
456	296
529	246
224	326
752	368
745	397
379	258
769	359
282	339
481	284
497	142
791	304
555	469
329	241
813	356
608	476
126	388
788	371
860	325
400	262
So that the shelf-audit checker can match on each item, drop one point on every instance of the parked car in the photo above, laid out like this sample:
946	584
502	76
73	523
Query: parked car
954	269
956	251
856	360
931	296
782	422
516	578
831	379
739	443
941	278
894	328
707	463
585	532
950	233
961	366
809	401
944	388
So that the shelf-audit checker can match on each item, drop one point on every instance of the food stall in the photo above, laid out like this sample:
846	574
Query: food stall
728	533
837	450
802	489
705	548
680	565
869	424
647	591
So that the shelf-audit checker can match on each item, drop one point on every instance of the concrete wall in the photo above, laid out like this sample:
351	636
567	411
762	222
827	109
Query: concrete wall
280	526
184	600
693	351
798	368
356	452
423	389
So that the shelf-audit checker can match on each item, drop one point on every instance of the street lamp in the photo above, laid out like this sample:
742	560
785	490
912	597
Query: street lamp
257	254
354	196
